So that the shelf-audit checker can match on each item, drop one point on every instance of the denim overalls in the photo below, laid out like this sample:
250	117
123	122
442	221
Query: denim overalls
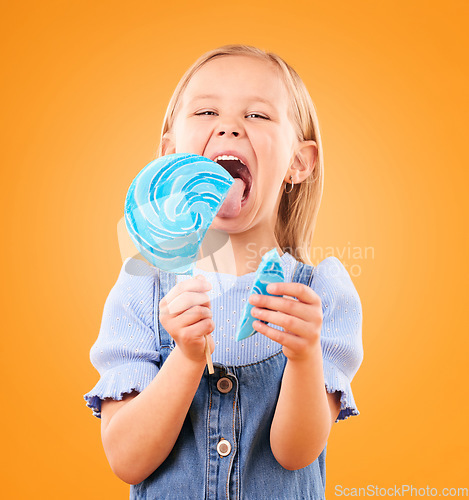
223	449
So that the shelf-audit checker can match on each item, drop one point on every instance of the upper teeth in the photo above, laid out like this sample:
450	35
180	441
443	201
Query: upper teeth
227	157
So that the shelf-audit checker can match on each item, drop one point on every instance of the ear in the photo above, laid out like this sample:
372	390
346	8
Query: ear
167	144
304	161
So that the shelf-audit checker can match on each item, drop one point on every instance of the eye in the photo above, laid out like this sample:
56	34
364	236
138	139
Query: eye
258	116
206	113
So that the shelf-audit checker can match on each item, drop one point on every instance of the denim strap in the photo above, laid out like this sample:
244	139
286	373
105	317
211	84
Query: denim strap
303	273
166	281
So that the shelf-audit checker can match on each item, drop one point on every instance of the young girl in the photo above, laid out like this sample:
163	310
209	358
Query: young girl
258	427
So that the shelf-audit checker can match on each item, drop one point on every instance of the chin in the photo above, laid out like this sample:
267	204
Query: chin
232	226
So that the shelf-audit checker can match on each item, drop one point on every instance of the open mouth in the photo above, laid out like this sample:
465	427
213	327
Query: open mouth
238	170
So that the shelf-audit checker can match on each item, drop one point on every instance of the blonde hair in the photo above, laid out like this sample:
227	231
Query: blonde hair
298	210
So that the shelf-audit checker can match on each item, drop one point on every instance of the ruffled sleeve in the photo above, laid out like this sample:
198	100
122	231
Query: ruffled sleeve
125	352
341	334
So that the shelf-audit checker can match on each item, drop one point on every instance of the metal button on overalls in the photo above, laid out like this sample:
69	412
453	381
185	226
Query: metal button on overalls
224	385
223	447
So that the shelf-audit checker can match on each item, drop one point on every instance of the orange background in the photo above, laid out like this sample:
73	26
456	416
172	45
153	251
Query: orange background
84	91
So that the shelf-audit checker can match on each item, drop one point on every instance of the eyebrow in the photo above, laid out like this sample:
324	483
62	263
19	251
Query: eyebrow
213	96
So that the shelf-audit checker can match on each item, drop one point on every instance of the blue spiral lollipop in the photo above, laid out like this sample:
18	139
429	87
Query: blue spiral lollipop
170	205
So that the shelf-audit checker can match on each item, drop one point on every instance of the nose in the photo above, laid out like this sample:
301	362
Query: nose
228	126
222	132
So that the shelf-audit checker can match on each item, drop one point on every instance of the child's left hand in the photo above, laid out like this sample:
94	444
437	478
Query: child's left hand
300	319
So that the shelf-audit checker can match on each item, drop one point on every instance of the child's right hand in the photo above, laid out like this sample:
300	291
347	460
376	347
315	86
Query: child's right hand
186	315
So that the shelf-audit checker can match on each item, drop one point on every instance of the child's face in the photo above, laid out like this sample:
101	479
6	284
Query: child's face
238	105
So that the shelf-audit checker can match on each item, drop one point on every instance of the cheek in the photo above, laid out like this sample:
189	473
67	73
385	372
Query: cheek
274	149
263	144
190	139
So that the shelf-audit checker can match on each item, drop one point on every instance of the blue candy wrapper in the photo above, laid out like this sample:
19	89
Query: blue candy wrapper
269	271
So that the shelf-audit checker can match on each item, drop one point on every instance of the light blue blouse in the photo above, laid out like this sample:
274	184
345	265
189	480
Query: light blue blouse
132	344
125	352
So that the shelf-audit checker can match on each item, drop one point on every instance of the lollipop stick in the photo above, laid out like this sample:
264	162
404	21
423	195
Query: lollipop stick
208	357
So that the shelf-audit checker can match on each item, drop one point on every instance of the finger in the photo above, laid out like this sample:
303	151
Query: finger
194	333
290	323
306	312
193	315
190	285
281	337
186	300
302	292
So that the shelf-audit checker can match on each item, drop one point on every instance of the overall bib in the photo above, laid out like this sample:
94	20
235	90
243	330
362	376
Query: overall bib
223	449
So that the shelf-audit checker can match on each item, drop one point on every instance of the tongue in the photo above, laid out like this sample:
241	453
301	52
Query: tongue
232	204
